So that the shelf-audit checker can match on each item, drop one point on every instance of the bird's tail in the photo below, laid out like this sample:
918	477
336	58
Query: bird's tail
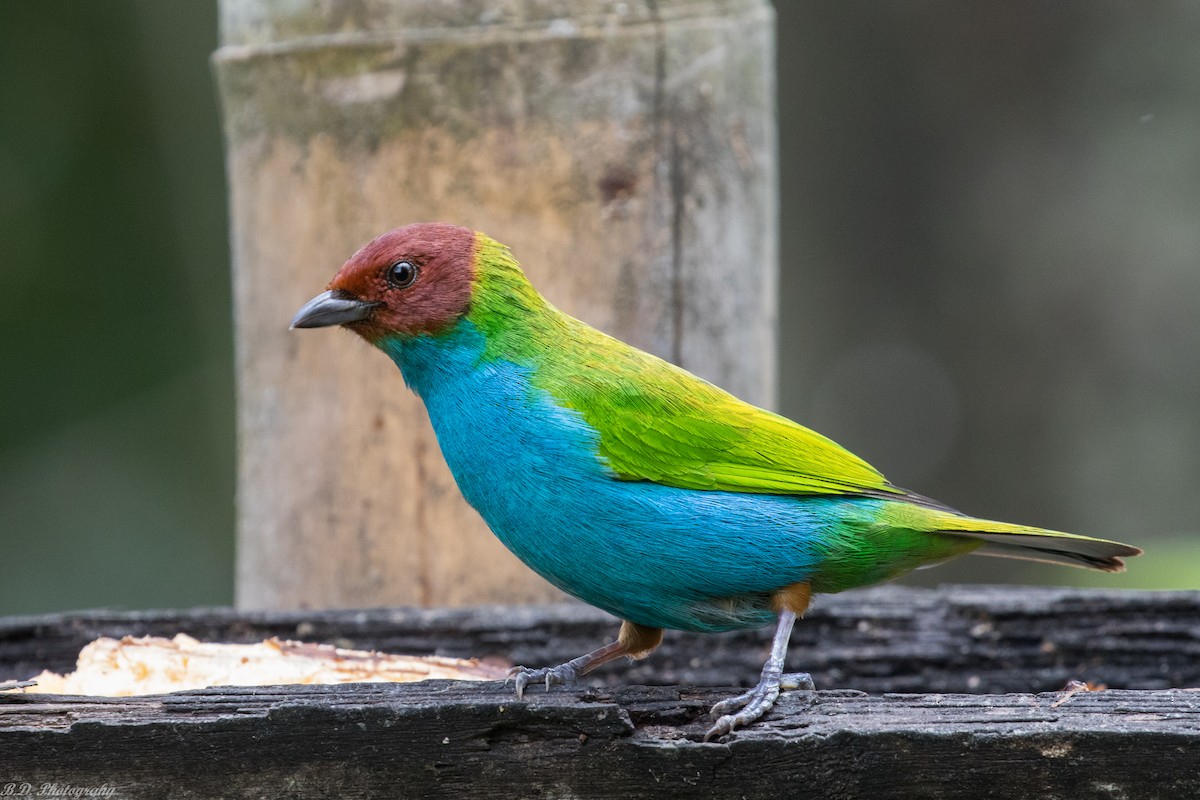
1036	544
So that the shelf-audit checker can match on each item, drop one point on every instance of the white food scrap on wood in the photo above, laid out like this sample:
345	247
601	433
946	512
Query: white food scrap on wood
156	665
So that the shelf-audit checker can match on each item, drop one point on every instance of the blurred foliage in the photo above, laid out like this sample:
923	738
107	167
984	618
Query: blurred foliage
116	423
990	285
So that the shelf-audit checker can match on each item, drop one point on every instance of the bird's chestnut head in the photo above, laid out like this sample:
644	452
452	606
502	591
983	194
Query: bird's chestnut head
412	280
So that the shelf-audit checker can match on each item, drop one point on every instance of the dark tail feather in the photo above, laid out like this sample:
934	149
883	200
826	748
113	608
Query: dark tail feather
1054	548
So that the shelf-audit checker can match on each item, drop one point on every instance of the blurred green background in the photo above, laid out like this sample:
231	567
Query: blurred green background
990	280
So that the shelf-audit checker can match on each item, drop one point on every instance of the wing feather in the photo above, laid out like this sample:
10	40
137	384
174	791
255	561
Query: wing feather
657	422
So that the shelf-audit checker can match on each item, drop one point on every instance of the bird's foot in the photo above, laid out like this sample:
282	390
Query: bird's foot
563	675
754	703
566	674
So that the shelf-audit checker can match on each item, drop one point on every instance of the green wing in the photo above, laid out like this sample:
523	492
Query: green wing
660	423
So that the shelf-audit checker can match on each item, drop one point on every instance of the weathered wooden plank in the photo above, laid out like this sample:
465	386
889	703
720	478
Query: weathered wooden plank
625	151
437	739
440	739
890	638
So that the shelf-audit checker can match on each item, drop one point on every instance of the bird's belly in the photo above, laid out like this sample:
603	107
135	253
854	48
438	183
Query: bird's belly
651	554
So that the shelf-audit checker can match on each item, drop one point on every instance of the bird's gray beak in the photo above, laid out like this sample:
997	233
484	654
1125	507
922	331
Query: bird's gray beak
331	308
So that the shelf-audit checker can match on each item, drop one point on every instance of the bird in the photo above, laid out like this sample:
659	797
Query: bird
632	484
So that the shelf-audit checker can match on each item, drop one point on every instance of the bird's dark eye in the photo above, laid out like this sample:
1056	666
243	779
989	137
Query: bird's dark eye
401	274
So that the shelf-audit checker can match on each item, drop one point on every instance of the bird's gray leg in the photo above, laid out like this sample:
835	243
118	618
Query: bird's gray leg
761	698
565	674
635	641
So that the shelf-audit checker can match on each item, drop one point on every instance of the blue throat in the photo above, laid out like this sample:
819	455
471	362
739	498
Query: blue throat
428	362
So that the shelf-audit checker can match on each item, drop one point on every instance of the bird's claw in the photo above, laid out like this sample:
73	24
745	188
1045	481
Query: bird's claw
754	703
562	675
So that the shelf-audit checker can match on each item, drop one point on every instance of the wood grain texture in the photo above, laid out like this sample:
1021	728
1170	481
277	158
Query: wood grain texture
626	155
888	639
438	739
449	739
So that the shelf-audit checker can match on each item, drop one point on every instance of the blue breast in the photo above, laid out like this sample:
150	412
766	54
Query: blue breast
648	553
